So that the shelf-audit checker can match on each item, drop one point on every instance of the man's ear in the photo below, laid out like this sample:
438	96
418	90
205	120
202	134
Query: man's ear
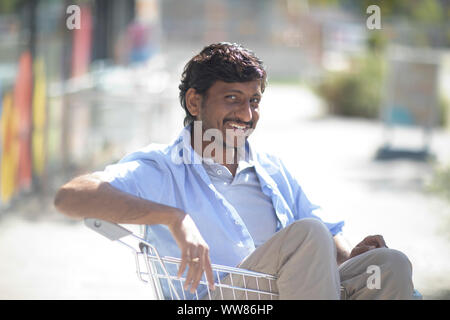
193	101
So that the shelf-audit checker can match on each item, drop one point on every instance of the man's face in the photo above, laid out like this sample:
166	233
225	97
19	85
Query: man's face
233	109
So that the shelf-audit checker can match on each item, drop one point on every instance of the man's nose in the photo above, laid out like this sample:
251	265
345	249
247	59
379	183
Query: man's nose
244	112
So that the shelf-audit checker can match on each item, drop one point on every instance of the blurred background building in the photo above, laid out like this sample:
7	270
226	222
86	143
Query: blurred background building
74	100
66	93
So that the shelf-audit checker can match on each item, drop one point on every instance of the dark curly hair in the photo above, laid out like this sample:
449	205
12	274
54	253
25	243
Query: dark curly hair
228	62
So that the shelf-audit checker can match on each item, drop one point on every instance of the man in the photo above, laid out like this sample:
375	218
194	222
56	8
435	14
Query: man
210	198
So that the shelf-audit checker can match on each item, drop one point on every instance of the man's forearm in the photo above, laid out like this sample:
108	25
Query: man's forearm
89	197
342	249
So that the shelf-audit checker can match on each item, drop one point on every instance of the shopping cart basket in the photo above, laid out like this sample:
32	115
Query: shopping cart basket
230	283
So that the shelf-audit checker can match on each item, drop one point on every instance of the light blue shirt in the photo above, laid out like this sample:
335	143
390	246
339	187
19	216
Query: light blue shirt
243	192
174	175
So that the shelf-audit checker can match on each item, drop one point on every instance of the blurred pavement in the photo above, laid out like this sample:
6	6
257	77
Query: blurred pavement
44	255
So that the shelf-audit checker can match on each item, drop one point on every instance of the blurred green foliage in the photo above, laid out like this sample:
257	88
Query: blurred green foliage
428	19
356	92
444	112
424	11
10	6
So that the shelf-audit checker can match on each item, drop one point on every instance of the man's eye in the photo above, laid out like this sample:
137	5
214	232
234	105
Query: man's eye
255	102
231	97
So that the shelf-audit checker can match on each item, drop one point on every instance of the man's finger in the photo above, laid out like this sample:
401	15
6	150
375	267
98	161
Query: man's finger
203	261
208	272
360	249
204	267
381	241
197	262
376	240
184	260
195	267
192	253
189	276
197	275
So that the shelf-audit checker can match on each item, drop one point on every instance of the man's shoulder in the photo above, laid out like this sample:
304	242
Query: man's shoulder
271	164
153	152
266	158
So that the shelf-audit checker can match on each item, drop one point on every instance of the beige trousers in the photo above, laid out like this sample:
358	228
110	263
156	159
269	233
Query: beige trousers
303	258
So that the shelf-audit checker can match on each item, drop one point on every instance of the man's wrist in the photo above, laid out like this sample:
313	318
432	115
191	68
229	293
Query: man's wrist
174	217
342	257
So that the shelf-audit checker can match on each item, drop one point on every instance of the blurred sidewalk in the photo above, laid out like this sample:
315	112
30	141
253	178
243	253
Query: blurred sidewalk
47	256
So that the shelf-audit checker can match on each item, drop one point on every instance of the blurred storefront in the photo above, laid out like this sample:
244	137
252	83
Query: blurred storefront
72	100
58	103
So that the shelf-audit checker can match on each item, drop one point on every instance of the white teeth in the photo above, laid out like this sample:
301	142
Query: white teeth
237	126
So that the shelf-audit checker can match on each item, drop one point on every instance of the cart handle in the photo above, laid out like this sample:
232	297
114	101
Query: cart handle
110	230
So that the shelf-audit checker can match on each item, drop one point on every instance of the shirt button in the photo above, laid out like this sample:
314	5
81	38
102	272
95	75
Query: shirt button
219	171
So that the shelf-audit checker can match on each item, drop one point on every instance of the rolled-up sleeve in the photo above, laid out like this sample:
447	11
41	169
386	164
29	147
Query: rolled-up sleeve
141	178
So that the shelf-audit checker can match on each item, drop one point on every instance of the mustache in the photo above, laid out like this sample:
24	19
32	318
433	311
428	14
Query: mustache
249	123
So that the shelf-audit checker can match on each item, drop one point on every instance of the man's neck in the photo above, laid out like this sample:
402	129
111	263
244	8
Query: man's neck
234	164
228	157
220	153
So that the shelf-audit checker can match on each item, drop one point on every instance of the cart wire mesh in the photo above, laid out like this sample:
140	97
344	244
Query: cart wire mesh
160	272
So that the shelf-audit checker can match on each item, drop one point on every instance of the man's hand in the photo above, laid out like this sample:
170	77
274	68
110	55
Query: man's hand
194	252
369	243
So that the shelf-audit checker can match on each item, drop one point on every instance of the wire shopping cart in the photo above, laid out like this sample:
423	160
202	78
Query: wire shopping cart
231	283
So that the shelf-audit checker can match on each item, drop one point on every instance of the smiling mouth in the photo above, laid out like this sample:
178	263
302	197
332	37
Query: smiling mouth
238	128
238	124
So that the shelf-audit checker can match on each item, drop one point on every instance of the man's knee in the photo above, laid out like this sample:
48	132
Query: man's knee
396	271
315	232
311	226
394	260
394	275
